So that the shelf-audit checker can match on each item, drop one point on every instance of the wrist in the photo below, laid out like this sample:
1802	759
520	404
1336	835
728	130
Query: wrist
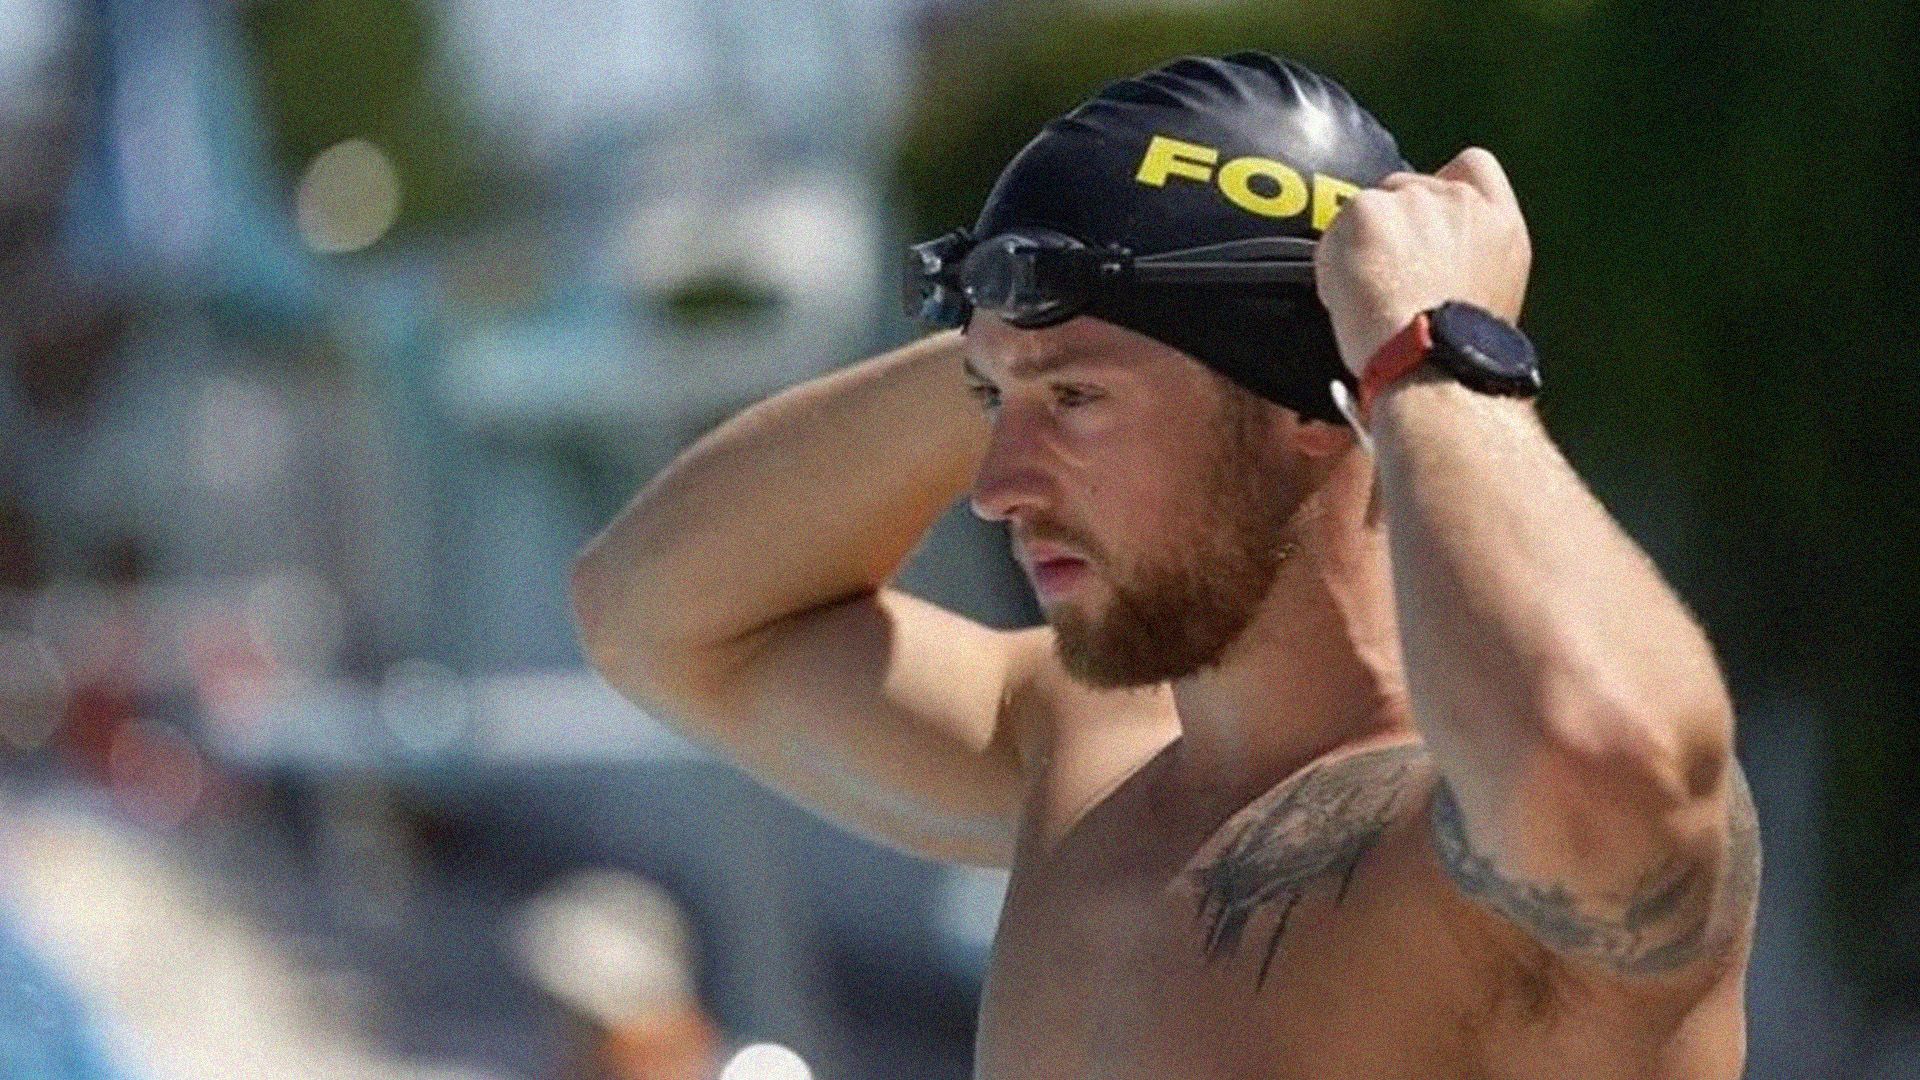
1362	338
1467	344
1424	390
1394	360
1431	405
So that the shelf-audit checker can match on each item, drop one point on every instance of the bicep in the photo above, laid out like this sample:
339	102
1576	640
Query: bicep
885	712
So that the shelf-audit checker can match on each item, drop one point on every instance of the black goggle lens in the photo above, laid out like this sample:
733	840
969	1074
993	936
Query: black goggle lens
1017	277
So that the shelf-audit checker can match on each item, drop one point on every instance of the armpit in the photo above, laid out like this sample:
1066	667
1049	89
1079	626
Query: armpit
1680	912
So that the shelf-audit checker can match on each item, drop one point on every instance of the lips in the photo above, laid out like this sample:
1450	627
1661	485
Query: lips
1055	575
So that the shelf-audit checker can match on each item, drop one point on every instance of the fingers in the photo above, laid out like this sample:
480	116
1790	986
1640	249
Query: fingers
1439	184
1480	170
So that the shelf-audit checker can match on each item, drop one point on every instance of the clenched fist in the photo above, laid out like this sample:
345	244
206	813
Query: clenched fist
1414	242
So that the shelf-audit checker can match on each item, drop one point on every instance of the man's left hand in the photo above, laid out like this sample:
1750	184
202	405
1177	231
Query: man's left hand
1414	242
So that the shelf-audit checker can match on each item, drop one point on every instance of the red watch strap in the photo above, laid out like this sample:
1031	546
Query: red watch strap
1402	353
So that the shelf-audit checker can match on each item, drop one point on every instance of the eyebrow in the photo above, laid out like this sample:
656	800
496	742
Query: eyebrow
1031	367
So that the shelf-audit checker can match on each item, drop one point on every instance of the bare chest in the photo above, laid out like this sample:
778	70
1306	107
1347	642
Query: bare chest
1289	942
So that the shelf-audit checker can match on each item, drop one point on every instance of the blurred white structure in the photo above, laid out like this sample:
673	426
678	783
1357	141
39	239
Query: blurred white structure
189	986
696	145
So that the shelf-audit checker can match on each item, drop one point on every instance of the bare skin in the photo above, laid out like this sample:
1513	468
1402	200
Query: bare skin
1424	811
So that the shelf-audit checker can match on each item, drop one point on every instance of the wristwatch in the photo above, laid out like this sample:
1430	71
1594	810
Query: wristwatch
1478	348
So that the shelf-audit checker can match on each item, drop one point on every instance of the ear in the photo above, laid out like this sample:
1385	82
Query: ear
1317	438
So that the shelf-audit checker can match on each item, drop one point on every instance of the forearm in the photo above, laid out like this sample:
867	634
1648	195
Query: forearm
1541	645
812	496
1580	725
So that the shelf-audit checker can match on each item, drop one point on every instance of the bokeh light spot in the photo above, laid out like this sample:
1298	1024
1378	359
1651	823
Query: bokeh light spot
766	1061
348	197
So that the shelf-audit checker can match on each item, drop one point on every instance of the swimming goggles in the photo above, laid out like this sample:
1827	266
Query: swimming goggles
1037	277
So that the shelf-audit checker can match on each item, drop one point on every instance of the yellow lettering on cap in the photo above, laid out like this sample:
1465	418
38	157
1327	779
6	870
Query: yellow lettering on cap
1330	193
1171	157
1236	184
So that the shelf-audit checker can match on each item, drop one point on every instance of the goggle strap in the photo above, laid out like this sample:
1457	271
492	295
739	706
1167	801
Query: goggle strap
1259	260
1224	273
1264	248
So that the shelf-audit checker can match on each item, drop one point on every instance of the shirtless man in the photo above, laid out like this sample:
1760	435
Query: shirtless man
1394	762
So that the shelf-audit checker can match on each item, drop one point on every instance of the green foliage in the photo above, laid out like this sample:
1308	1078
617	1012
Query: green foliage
360	68
720	299
1723	226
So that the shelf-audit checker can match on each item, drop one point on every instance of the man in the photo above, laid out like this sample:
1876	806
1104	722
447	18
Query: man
1347	751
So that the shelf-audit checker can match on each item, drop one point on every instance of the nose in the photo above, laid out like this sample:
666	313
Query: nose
1012	480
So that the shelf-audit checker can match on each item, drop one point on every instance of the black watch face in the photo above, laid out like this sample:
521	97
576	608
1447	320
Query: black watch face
1486	353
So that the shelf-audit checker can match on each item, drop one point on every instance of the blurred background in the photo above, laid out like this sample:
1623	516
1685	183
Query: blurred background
329	332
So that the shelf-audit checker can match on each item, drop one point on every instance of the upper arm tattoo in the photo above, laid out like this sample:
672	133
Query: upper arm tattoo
1663	925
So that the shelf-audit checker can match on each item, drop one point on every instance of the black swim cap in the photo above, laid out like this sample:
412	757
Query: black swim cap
1204	151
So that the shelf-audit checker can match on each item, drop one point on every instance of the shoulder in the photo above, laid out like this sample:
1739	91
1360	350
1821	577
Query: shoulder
1336	808
1373	822
1342	815
1362	819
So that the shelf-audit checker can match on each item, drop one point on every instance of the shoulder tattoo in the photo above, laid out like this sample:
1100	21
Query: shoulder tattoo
1315	827
1660	928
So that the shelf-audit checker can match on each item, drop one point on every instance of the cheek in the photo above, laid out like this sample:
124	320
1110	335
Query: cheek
1141	478
1140	506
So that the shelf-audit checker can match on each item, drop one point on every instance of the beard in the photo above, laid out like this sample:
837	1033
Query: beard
1174	611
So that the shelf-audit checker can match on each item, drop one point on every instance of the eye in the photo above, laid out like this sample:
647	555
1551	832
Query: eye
1069	396
986	394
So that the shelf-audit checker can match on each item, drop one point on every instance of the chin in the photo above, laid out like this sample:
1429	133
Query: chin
1075	609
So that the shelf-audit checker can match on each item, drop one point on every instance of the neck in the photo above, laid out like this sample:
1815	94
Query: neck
1319	666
